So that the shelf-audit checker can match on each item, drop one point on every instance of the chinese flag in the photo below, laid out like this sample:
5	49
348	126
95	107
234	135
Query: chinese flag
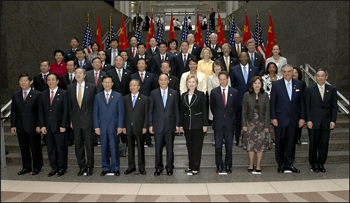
198	34
99	33
123	39
246	35
220	32
150	33
172	31
271	39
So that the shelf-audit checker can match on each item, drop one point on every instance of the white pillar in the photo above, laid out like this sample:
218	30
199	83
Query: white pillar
235	5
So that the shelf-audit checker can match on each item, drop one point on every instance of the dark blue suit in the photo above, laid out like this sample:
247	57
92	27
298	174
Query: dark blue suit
223	122
238	82
147	85
287	112
109	117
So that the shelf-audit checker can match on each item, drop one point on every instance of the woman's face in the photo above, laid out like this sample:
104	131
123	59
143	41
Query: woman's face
191	84
217	69
94	47
276	50
272	68
193	66
206	54
173	46
295	74
257	85
58	56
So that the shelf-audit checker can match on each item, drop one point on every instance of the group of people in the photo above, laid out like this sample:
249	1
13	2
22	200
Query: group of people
133	93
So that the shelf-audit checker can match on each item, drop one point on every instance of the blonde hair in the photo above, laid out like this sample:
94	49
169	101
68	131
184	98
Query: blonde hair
191	76
202	52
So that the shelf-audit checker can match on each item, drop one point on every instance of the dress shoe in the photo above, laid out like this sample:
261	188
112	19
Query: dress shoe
250	170
298	142
228	170
52	173
315	169
280	169
117	173
142	171
258	171
70	143
149	144
43	143
157	172
293	169
194	173
35	172
60	173
322	169
169	172
23	171
218	169
188	170
103	173
95	144
89	172
128	171
81	172
236	143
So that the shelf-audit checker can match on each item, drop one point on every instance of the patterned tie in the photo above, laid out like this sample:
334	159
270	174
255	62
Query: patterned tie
164	98
162	58
190	49
120	75
114	55
289	91
107	98
80	94
70	80
185	61
321	92
133	101
51	99
133	52
245	74
45	79
226	61
96	79
224	97
238	51
25	96
252	59
81	64
142	77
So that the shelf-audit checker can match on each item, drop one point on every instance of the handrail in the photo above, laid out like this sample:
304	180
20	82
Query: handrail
104	38
6	106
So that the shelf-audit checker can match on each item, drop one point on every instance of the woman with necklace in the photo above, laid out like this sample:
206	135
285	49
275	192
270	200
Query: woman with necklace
271	76
202	82
277	58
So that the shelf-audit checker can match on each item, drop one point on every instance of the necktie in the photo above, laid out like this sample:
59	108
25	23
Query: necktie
238	51
124	65
113	54
164	98
224	97
142	77
162	58
190	49
80	93
185	61
25	96
245	74
96	78
44	79
51	99
81	64
152	50
133	52
101	67
107	98
226	61
321	91
252	59
70	80
120	75
289	91
133	101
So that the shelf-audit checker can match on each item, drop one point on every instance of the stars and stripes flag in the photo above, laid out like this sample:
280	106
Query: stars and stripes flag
110	34
184	29
87	38
160	37
258	38
208	33
233	31
138	33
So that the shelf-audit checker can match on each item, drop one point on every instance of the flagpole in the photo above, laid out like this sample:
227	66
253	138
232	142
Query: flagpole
110	26
258	27
87	35
185	24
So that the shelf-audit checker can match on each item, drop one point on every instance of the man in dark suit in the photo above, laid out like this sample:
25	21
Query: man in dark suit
69	77
181	60
132	50
321	115
105	66
212	18
216	49
82	61
108	123
223	105
53	120
240	76
255	59
287	113
81	98
141	49
40	80
226	60
70	53
193	48
121	77
24	122
95	76
139	20
164	119
161	57
147	21
112	52
154	50
126	64
173	81
238	47
135	126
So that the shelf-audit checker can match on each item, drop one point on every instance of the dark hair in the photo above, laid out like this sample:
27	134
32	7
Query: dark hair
321	69
171	41
78	49
162	42
56	76
152	38
167	62
223	72
268	65
96	44
123	51
107	76
74	61
252	81
133	37
300	76
103	52
141	59
185	41
141	44
75	39
48	62
272	49
218	63
25	75
96	59
58	51
193	59
114	39
163	74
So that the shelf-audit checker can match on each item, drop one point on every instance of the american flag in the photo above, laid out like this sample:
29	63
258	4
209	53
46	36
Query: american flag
110	34
208	33
160	32
87	38
233	31
184	30
259	43
138	33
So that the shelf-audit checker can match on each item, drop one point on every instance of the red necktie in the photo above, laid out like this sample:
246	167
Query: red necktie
96	78
51	99
25	96
162	58
101	67
142	77
224	97
133	52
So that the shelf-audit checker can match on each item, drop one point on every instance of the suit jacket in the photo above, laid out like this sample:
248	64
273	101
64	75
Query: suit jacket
212	19
107	67
65	81
258	62
179	65
69	55
147	22
147	84
108	117
90	78
56	115
194	113
129	51
196	51
237	80
109	57
137	115
287	112
133	63
157	63
248	106
173	83
81	118
149	52
321	111
160	118
217	52
39	84
120	86
234	51
233	62
25	114
87	65
224	116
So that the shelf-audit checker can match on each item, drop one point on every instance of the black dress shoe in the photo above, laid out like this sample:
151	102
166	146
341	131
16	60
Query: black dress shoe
128	171
157	172
315	169
169	172
43	143
218	169
280	169
188	170
142	171
52	173
149	144
258	171
89	172
35	172
81	172
298	142
23	171
236	143
194	173
103	173
117	173
228	170
293	169
322	169
60	173
70	143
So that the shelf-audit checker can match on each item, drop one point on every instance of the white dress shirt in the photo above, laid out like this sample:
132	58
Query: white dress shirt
42	74
226	92
136	95
319	88
240	47
82	90
247	68
142	57
98	73
183	55
82	62
144	74
166	93
291	89
71	74
109	94
54	92
28	91
161	56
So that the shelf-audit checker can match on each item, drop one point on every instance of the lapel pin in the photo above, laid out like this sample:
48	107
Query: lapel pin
231	61
58	94
30	95
61	64
146	60
169	94
126	73
327	90
68	54
166	58
170	79
128	65
112	96
147	75
87	87
84	64
250	69
294	87
231	95
139	98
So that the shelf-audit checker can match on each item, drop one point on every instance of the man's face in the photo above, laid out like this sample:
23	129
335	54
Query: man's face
243	58
119	62
141	49
223	80
237	38
74	43
141	65
107	84
102	55
70	66
190	38
165	68
52	82
153	42
251	47
134	87
96	64
24	83
321	77
162	49
163	81
114	44
133	42
80	55
287	73
79	75
44	67
124	55
184	47
226	49
213	39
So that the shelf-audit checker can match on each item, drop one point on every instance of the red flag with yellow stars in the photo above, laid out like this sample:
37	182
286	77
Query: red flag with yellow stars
99	33
150	33
220	32
271	39
246	35
123	39
171	31
198	35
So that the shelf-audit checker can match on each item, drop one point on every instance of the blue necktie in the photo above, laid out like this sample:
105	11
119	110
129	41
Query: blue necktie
81	64
164	98
252	59
289	91
133	101
245	74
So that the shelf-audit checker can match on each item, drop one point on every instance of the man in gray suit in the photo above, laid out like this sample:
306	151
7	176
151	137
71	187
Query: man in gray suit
95	76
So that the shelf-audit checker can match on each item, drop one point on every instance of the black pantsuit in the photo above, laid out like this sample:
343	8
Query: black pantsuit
194	144
81	136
